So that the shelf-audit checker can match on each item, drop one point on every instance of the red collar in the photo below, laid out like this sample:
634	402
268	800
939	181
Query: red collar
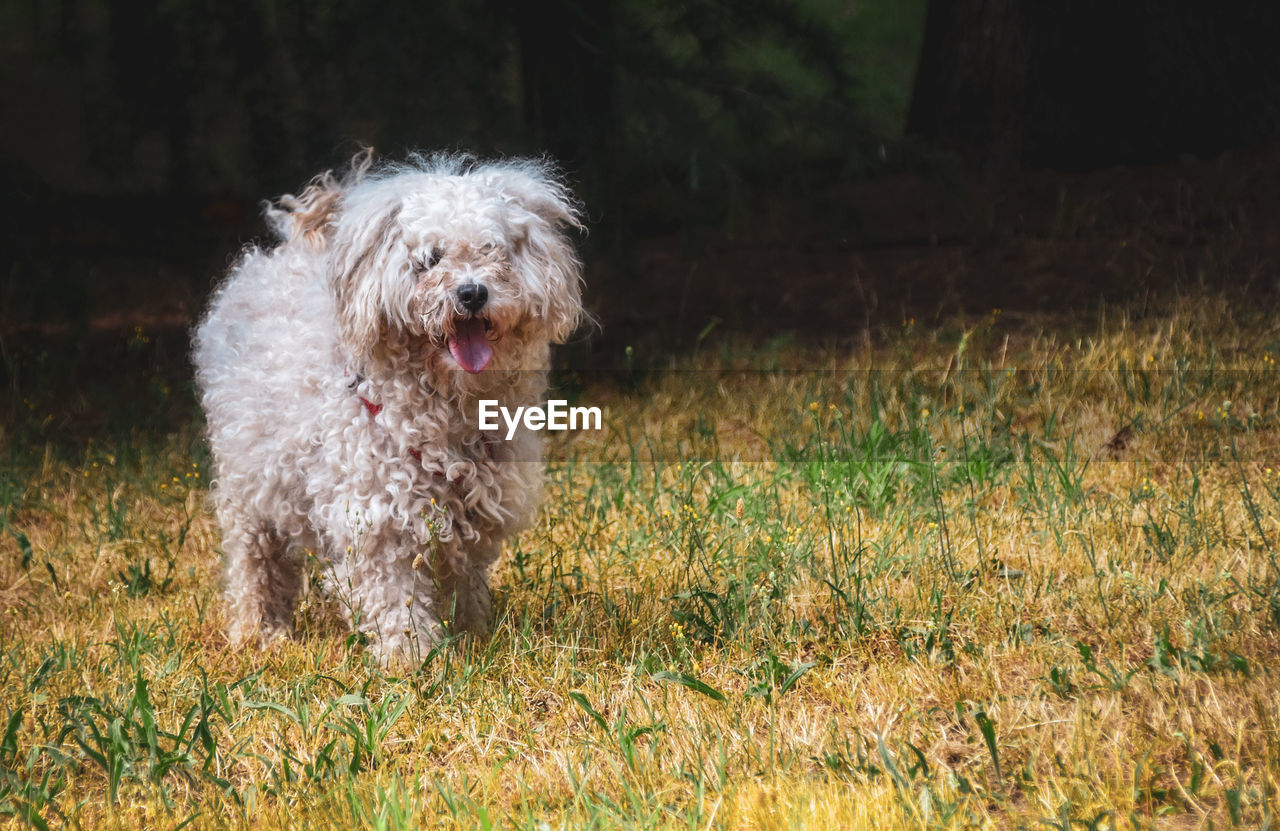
374	409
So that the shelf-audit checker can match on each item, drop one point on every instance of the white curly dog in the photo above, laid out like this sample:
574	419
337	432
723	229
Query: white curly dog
340	373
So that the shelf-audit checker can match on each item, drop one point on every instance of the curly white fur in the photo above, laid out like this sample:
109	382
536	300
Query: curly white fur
339	413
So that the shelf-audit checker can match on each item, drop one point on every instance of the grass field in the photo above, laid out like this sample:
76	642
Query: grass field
1005	573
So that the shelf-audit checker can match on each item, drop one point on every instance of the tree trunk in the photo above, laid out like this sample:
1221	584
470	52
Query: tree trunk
567	81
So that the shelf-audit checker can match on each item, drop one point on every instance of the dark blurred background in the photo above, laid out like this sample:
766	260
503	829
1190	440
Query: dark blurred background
811	169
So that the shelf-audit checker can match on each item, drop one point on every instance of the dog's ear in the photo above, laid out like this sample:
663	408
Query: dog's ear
309	215
553	272
367	251
548	253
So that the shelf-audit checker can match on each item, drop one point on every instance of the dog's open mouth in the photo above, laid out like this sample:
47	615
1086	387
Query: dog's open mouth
469	343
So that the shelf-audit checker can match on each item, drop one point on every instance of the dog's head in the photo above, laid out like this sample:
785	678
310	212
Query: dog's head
447	261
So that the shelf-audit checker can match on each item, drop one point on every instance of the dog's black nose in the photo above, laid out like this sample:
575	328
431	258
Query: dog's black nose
473	296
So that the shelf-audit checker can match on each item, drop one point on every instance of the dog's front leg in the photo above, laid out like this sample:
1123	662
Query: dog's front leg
463	580
389	600
262	580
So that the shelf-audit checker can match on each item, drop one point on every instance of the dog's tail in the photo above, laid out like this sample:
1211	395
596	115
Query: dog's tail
308	215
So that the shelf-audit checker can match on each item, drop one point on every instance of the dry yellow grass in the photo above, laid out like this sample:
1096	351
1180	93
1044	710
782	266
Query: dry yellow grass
994	575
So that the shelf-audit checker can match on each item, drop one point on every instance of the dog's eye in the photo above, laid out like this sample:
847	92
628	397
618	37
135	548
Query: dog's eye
428	262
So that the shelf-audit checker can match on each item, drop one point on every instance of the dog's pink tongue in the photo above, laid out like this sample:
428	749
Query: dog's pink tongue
470	346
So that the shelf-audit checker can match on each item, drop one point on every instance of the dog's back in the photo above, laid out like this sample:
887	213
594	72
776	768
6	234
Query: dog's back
265	358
